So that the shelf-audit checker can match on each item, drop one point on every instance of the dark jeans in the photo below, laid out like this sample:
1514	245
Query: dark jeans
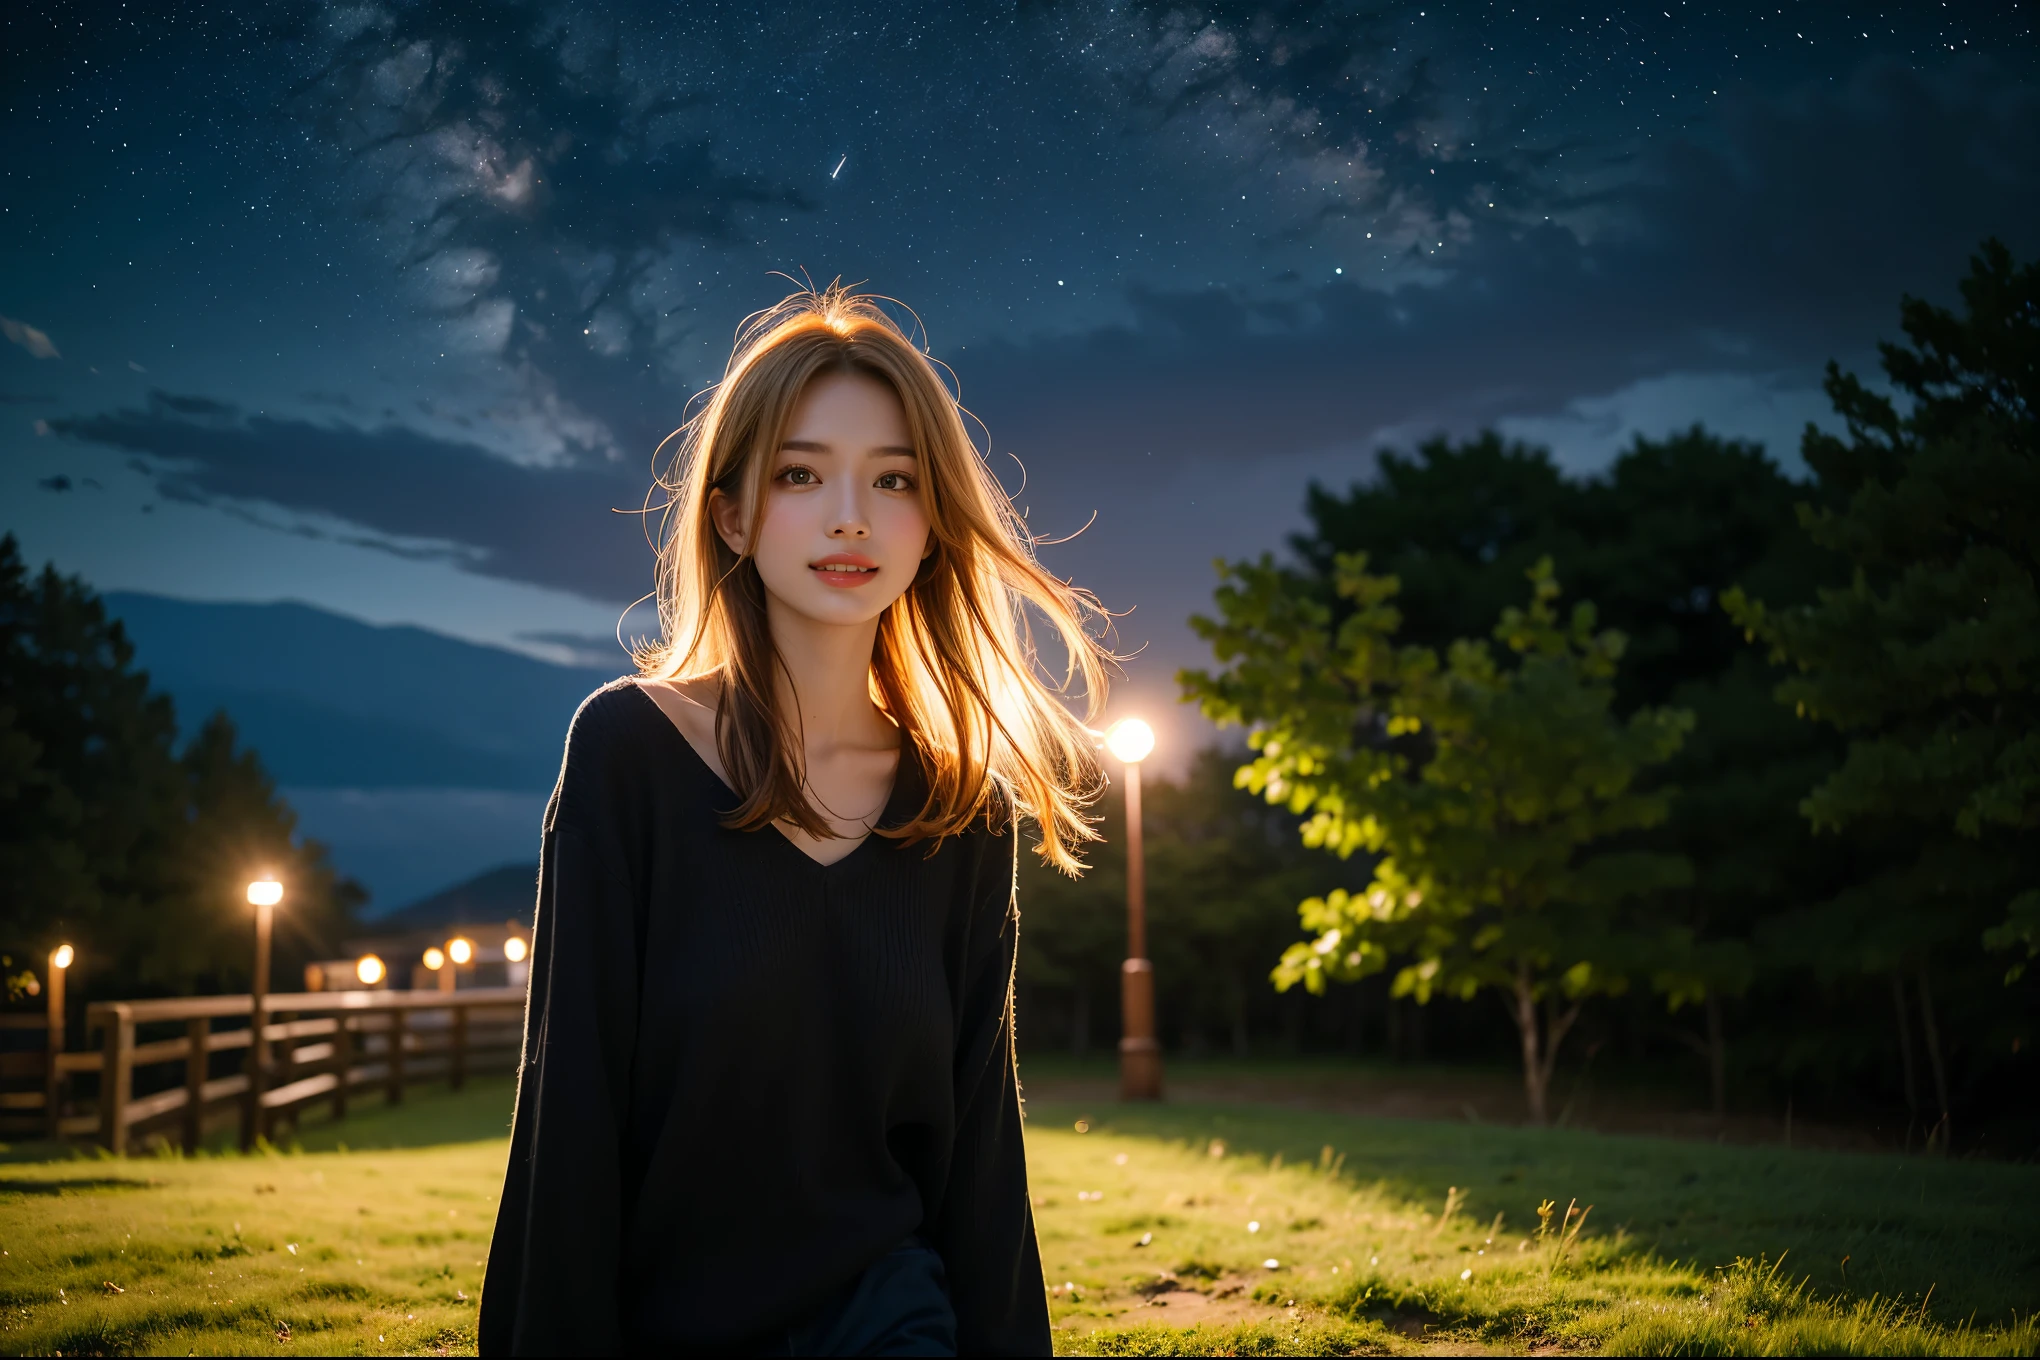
899	1306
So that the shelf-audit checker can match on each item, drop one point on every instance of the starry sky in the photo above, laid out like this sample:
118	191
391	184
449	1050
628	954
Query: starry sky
385	307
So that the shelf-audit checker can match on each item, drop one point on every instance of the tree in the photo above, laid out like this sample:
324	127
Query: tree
113	839
1487	790
1654	541
1928	659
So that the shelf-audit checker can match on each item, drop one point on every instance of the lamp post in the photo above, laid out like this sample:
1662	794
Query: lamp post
263	895
460	952
53	1089
1140	1053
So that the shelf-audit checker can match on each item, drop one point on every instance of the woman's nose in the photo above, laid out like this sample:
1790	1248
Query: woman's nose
850	520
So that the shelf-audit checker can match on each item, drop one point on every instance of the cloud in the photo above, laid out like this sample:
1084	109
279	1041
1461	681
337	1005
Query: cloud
29	338
576	649
1348	91
412	493
1786	238
538	191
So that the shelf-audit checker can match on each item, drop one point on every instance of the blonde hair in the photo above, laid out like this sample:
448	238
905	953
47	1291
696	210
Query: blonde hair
954	664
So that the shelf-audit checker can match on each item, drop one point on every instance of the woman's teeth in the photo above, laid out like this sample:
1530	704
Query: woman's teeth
858	571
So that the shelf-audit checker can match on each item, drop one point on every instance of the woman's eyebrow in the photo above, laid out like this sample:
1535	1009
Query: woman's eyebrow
816	446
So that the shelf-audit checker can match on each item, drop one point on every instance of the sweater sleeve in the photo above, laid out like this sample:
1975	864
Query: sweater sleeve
554	1268
984	1229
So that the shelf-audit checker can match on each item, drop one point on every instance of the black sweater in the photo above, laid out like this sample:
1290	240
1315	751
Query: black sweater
746	1075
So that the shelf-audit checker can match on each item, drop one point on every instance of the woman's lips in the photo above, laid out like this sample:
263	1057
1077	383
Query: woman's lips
844	570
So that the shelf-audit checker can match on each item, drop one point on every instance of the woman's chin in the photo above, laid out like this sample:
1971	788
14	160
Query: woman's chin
839	606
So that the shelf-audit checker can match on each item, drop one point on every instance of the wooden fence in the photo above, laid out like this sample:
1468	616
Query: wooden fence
320	1046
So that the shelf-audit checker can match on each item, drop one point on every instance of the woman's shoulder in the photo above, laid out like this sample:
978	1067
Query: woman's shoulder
620	703
611	723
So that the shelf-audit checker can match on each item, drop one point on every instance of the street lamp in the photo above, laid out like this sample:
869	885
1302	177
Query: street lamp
369	970
1140	1053
459	952
514	949
263	894
61	959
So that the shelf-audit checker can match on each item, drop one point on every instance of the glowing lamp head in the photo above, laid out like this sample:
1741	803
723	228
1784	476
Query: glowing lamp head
1131	740
434	960
61	957
369	969
460	951
265	892
514	949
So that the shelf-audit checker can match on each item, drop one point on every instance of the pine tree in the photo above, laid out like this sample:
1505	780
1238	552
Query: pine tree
1928	659
113	839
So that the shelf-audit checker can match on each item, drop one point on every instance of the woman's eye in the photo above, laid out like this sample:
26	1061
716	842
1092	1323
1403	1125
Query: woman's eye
894	481
798	476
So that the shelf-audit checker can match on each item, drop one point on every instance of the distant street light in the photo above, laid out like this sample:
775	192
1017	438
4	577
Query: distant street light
435	959
61	956
513	949
369	969
263	895
460	950
1140	1053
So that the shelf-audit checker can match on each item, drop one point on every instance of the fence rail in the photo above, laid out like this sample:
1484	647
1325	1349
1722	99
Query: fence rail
313	1046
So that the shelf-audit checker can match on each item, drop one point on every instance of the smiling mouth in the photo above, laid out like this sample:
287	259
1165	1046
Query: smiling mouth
844	570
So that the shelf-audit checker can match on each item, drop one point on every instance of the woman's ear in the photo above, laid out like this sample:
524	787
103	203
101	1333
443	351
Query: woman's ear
728	518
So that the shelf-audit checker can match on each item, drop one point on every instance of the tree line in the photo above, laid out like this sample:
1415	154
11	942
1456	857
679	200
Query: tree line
1690	749
125	837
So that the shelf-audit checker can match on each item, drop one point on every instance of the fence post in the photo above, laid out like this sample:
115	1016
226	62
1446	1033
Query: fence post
396	1095
460	1046
116	1078
198	1035
251	1100
343	1061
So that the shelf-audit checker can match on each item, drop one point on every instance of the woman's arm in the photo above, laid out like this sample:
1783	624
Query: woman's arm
985	1227
554	1262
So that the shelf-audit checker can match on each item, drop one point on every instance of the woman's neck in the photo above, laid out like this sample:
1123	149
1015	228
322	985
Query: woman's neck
827	680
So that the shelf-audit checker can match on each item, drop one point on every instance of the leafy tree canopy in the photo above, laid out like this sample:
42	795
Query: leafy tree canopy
1488	787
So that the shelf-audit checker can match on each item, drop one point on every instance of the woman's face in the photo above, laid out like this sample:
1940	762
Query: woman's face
843	531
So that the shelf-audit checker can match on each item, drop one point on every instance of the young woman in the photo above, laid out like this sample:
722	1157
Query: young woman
768	1100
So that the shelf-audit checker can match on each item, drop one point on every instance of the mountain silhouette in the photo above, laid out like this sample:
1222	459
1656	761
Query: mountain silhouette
332	702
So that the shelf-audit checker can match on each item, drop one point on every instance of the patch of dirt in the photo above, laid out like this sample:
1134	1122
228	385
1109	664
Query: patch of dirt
1179	1302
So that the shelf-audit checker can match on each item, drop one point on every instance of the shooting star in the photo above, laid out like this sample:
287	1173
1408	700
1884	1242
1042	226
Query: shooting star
839	166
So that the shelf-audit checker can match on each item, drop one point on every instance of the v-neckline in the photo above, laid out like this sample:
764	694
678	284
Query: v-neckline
892	794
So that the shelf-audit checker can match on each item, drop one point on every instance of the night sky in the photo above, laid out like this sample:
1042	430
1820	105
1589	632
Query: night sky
385	308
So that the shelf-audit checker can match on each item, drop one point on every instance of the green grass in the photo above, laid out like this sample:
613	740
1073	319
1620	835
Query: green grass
390	1235
1680	1254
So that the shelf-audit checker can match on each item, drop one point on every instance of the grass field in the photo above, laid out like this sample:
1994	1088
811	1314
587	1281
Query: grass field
1157	1226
